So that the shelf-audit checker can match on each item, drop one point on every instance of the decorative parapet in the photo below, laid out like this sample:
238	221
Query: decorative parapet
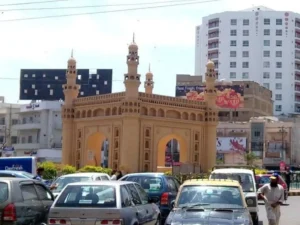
100	99
172	101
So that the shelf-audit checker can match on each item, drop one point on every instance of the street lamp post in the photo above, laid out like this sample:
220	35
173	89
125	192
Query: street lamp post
282	131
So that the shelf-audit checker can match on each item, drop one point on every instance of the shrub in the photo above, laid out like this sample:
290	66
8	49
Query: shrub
67	169
97	169
50	170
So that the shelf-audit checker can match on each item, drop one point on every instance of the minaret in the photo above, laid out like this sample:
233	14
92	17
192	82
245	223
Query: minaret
210	94
211	117
149	84
132	78
71	90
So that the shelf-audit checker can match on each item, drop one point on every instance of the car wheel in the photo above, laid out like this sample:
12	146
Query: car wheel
158	221
255	220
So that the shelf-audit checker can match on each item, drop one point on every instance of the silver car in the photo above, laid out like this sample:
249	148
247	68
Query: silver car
101	203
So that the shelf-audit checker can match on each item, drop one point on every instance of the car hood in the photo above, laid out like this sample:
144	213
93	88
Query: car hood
208	217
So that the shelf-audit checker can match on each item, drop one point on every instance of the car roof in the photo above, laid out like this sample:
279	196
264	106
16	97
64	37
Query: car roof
17	179
89	174
212	182
104	182
12	171
232	170
145	174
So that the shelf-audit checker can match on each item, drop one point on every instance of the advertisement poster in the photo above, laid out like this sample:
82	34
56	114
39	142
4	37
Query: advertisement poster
231	144
228	96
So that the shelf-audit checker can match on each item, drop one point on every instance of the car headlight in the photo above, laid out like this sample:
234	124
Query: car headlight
251	202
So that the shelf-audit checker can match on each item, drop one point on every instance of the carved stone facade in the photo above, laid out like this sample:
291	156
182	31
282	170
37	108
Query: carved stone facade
139	125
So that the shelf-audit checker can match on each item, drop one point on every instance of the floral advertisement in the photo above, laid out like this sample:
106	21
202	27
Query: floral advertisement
228	96
231	144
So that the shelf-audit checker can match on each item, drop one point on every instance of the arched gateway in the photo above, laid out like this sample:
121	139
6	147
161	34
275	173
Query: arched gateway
138	125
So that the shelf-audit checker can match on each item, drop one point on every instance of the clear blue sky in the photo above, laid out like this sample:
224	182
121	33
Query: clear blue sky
165	37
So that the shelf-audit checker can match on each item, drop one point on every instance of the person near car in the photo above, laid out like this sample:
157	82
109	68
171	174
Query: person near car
273	195
113	175
39	174
119	174
288	179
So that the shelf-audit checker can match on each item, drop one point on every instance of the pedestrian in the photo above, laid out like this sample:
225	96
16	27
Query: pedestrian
288	179
39	174
273	195
119	174
113	175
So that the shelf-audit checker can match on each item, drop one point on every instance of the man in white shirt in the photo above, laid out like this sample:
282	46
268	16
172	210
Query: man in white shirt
273	195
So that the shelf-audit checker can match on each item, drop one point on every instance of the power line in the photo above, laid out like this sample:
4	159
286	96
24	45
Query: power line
30	3
93	6
110	11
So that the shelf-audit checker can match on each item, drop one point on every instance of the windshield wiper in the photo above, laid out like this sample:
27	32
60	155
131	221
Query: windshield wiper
223	210
195	205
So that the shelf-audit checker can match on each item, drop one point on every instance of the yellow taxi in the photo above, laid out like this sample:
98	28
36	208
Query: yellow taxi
210	202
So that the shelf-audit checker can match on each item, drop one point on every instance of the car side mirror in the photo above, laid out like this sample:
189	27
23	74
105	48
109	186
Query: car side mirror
172	204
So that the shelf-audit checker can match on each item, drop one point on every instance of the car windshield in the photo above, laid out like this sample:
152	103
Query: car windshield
3	192
264	180
88	196
61	182
207	197
26	175
148	183
245	179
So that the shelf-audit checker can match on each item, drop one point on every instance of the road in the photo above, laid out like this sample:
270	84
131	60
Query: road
289	212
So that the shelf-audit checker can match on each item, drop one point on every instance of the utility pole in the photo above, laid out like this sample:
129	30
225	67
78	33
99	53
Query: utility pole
8	139
282	131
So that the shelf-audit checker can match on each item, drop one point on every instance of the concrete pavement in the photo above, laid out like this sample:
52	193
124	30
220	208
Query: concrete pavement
289	212
294	192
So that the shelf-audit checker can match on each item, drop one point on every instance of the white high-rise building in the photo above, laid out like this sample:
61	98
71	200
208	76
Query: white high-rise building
257	44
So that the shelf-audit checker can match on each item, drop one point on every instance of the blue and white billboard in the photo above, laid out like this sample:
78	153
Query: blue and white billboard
27	164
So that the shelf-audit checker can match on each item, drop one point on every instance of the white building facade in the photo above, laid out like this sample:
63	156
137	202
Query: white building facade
40	130
257	44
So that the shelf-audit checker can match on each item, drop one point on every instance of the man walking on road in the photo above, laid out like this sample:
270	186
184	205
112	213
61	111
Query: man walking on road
273	195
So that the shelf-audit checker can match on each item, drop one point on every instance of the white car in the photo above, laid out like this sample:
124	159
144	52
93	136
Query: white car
62	181
246	177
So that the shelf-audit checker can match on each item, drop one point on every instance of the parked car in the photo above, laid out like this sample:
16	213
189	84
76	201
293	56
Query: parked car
16	173
246	178
59	184
263	179
161	188
24	201
107	202
210	202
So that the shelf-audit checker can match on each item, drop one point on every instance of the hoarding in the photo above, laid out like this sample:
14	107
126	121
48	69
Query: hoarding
231	144
228	96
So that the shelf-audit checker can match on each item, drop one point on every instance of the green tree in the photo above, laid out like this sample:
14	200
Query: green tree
250	158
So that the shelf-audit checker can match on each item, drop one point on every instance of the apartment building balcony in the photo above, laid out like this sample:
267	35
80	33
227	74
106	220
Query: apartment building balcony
26	146
297	24
297	34
297	107
297	88
297	44
33	125
213	23
213	34
213	45
213	54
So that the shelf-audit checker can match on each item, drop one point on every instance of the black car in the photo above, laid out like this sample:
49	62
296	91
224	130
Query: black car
24	201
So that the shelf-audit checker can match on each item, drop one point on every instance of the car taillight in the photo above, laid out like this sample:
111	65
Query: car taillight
9	213
164	199
58	221
109	222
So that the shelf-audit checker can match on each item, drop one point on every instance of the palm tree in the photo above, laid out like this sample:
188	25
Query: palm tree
250	158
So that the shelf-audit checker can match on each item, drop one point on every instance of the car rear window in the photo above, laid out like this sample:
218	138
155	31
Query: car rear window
88	196
148	183
3	192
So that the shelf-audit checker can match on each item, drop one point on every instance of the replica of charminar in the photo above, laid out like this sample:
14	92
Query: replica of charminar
138	125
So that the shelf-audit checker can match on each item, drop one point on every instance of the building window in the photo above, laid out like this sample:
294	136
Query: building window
245	43
279	54
278	21
278	43
245	65
266	53
245	32
278	108
278	32
278	75
278	86
266	85
232	53
266	64
245	54
233	33
267	22
246	22
266	75
232	75
278	64
256	133
232	64
29	139
14	139
232	43
266	32
278	97
266	42
245	75
233	22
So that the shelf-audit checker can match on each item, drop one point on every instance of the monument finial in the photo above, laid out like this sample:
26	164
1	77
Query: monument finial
133	38
72	53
